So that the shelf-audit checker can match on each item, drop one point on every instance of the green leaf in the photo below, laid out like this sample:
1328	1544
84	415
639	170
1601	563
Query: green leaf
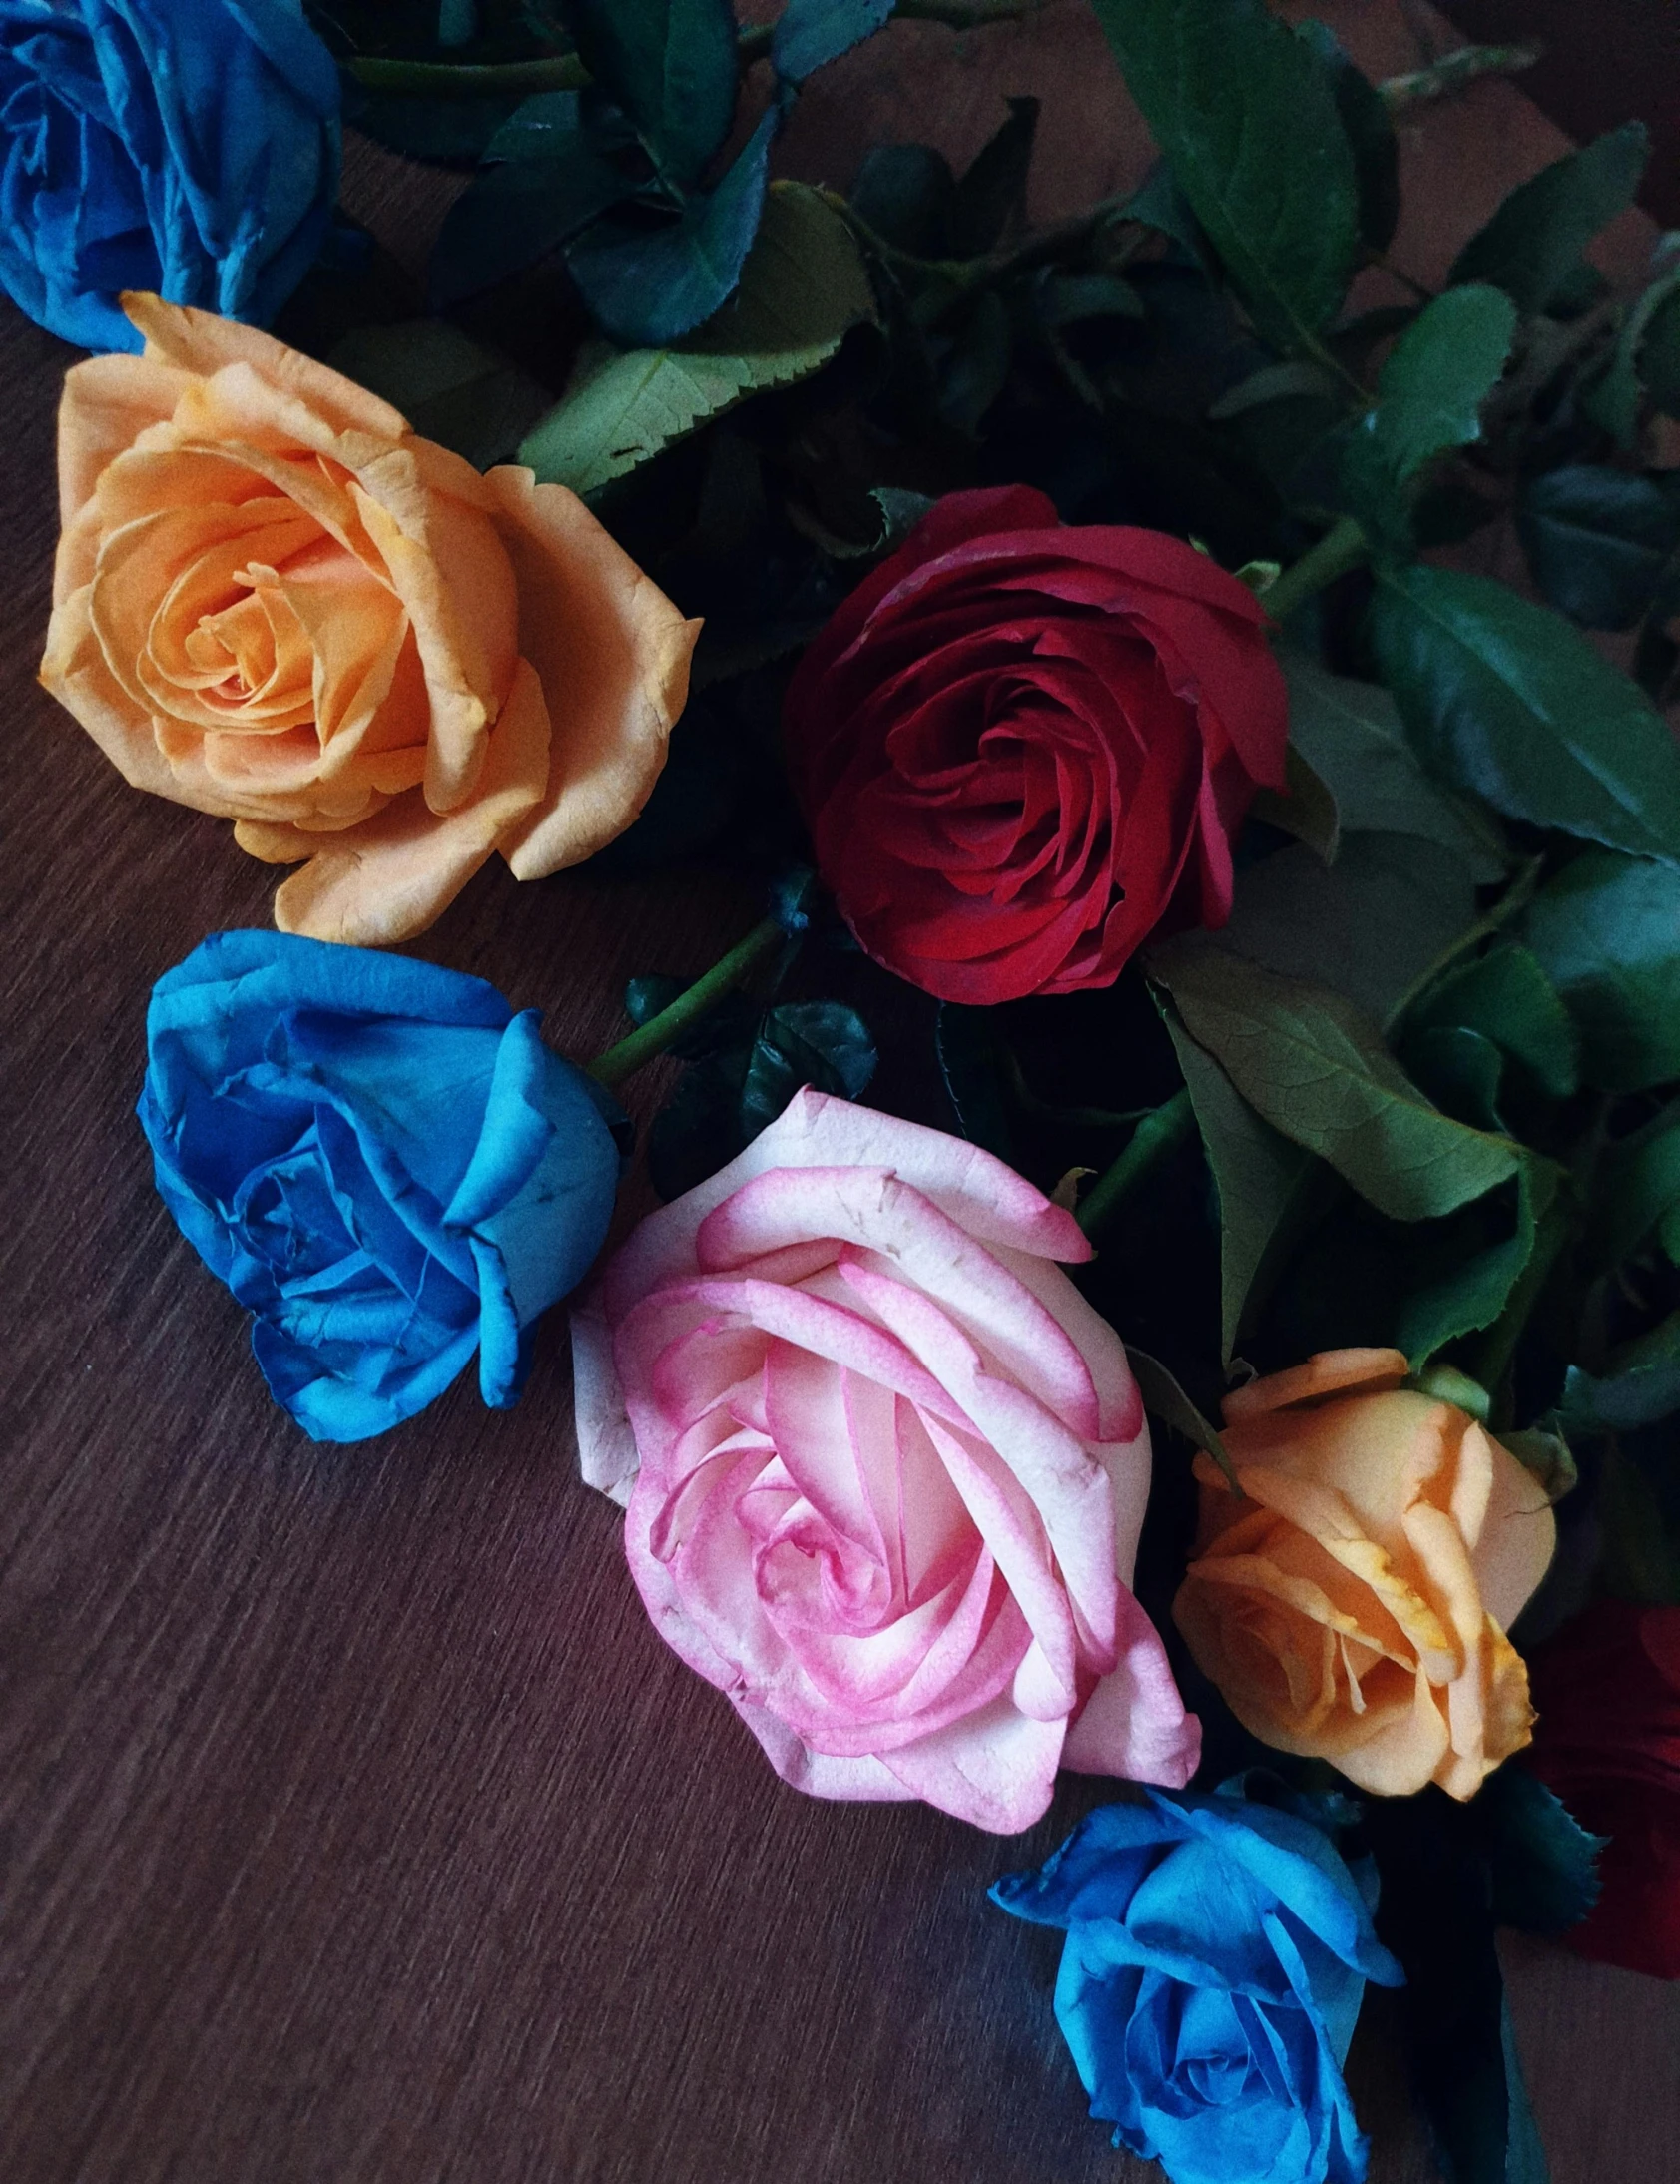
977	370
515	212
647	286
451	388
1613	400
1159	203
971	1057
821	1043
1350	735
1470	1287
803	287
1247	117
1359	1278
1257	1173
1370	926
1598	541
1545	1864
672	66
1508	999
993	188
444	128
1547	1456
812	33
1533	244
1606	932
1304	808
1508	700
1435	1914
1639	1386
1309	1062
1459	1069
1364	116
749	1068
1162	1395
1635	1190
904	194
1659	360
1428	398
1074	299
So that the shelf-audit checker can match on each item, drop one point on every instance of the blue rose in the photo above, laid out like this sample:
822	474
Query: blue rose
1217	1951
186	146
381	1161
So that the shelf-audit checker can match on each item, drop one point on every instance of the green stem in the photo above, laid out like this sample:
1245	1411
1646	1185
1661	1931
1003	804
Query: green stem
454	80
565	71
1160	1134
1515	897
1342	548
653	1038
1452	71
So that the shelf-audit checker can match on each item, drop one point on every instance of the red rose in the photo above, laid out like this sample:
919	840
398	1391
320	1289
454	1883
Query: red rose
1022	746
1608	1743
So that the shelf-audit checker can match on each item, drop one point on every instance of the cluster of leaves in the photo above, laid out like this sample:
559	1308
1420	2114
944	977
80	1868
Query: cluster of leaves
606	130
746	1061
1425	1087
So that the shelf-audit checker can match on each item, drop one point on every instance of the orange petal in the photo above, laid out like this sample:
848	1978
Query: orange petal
199	342
76	673
157	576
613	655
388	880
452	575
1519	1538
106	403
1328	1372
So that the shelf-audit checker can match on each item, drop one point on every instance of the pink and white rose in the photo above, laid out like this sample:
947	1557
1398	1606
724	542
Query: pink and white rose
884	1469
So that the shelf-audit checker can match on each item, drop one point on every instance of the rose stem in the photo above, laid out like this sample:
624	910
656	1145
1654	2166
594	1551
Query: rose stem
565	71
1342	548
1160	1134
653	1038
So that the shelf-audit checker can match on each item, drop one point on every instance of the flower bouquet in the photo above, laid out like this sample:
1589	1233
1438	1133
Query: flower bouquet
1239	1357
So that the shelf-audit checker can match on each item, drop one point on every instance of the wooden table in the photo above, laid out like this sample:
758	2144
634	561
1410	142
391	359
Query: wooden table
354	1825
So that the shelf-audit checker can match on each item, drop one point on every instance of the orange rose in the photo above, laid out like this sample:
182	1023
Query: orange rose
273	600
1351	1606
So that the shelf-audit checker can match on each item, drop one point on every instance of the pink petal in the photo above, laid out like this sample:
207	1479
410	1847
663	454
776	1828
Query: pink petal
1067	1486
820	1774
1134	1725
996	1768
876	1211
607	1453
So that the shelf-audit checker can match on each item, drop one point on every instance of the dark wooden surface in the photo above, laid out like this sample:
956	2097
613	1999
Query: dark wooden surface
354	1826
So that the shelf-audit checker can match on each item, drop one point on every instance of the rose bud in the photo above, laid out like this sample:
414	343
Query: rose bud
273	600
191	147
383	1161
1351	1604
1608	1743
1213	2037
1024	745
884	1469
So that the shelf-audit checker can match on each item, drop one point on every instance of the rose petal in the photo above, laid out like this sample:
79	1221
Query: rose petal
392	876
612	653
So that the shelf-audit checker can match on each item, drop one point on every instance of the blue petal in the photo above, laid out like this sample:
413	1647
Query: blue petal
537	1199
193	150
1299	1865
1095	1872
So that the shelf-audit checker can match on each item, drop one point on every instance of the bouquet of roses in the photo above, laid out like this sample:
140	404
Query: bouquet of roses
1077	634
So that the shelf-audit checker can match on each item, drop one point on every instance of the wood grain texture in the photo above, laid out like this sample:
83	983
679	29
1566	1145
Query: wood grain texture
354	1826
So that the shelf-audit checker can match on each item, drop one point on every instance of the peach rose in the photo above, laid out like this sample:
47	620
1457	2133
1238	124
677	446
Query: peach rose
1353	1606
273	602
